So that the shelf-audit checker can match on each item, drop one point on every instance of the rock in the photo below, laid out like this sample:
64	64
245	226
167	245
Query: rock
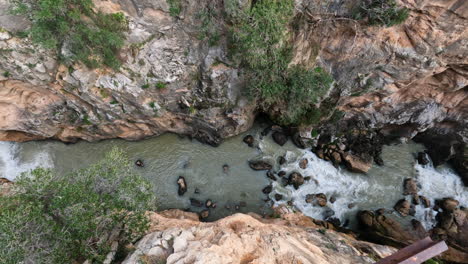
425	202
415	199
336	158
278	197
295	179
422	158
357	164
196	203
280	138
214	205
303	164
271	175
307	178
139	163
332	199
320	154
351	205
459	217
448	204
237	207
319	199
197	191
281	160
260	165
410	187
242	204
249	140
225	168
208	203
204	214
182	186
403	207
266	130
281	173
334	221
267	189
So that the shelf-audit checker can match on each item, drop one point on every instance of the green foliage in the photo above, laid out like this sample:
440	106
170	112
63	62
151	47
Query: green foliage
175	7
58	218
145	86
152	105
6	74
76	30
160	85
260	36
381	12
209	26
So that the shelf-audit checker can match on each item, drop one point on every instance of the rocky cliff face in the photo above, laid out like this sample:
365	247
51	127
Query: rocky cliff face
178	237
413	74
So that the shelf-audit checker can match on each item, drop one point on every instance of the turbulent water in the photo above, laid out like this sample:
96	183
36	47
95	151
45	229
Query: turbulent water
169	156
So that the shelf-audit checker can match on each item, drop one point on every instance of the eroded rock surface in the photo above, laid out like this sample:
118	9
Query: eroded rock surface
244	238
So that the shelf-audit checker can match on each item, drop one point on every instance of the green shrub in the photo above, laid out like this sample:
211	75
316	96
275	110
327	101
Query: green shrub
6	74
260	38
59	218
160	85
381	12
145	86
175	7
76	30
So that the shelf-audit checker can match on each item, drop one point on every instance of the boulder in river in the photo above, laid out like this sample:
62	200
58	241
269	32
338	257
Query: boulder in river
448	204
208	203
182	185
278	197
204	214
281	160
139	163
422	158
281	173
280	138
295	179
225	168
319	199
356	163
425	201
410	187
403	207
249	140
196	203
303	164
267	189
260	165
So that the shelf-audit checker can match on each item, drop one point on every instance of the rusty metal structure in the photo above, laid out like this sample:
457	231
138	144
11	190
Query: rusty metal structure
416	253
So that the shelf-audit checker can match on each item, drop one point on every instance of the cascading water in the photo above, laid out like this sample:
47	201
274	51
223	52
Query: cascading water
11	165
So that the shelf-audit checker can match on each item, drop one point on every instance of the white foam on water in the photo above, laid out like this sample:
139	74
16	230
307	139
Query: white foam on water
11	166
436	184
345	187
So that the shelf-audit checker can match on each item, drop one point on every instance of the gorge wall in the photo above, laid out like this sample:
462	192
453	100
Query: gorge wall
413	74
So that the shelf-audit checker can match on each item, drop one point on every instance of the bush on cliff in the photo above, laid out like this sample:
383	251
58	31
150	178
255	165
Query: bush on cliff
58	218
261	40
75	30
381	12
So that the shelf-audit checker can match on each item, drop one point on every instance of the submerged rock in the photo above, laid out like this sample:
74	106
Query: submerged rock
204	214
280	138
260	165
295	179
208	203
196	203
182	185
225	168
271	175
281	173
448	204
281	160
278	197
249	140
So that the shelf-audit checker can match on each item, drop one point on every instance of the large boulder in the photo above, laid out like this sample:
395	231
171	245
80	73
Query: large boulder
295	179
404	207
260	165
280	137
319	199
410	187
356	163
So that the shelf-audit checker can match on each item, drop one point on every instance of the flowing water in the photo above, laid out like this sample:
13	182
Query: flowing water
169	156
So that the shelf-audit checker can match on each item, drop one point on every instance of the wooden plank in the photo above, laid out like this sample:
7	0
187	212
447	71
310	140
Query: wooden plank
416	253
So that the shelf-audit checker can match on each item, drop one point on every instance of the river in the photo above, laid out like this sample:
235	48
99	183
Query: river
169	156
